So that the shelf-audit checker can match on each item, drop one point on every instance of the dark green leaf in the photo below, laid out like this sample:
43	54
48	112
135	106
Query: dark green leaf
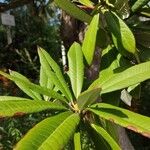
88	97
138	4
143	38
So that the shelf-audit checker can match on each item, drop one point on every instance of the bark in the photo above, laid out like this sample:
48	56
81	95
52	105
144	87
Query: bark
71	30
124	140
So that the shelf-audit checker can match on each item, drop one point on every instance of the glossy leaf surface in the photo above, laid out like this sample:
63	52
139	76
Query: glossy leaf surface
34	139
123	38
126	78
106	136
123	117
89	42
76	68
18	107
54	73
45	80
24	87
36	88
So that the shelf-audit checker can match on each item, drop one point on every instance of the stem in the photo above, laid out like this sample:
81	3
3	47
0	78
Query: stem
137	57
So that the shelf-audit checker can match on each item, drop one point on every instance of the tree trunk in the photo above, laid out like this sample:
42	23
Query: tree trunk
124	140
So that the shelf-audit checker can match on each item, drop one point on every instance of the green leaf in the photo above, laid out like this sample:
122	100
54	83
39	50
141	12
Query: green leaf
36	88
123	117
41	132
102	39
23	87
106	136
97	139
56	132
88	97
54	73
19	107
7	98
73	10
86	3
76	68
62	134
47	92
77	141
89	42
130	76
109	62
123	38
45	82
138	4
43	77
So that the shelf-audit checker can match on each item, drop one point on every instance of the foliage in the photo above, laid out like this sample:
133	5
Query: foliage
63	124
76	113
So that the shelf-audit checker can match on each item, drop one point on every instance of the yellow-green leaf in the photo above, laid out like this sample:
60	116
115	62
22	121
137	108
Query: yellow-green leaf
126	78
122	36
89	42
77	141
133	121
86	3
18	107
106	136
34	139
54	73
76	68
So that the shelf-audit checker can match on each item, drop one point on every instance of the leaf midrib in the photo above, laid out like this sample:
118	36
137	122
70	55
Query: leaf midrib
57	129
